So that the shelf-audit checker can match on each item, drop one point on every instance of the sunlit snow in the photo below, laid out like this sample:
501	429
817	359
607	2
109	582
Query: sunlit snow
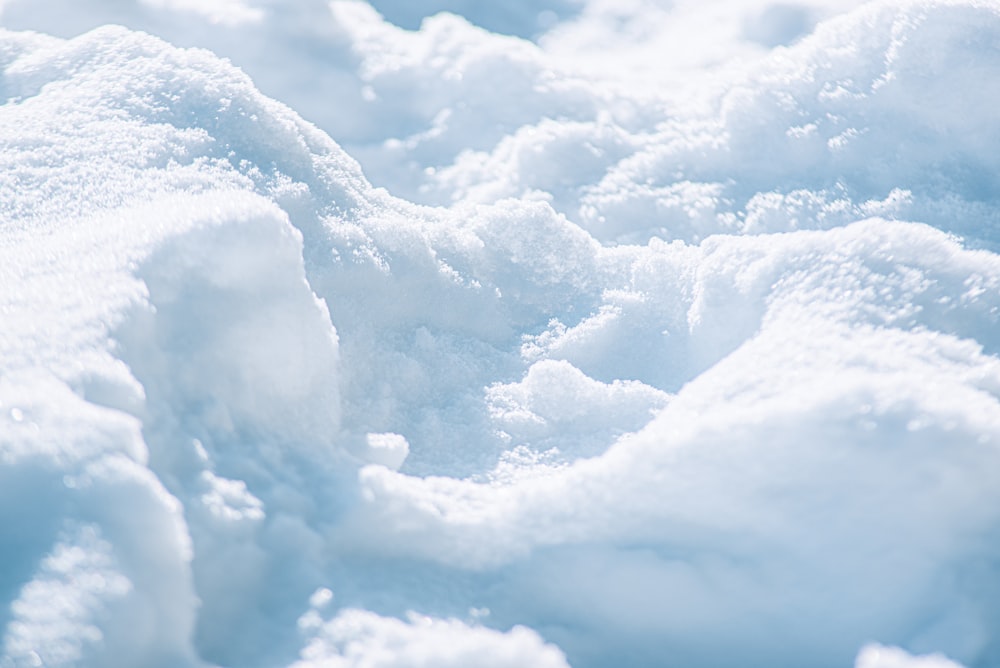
562	333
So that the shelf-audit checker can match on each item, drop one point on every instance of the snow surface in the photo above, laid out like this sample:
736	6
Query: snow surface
641	350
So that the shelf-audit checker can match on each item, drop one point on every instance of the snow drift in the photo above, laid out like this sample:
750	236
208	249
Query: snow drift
650	384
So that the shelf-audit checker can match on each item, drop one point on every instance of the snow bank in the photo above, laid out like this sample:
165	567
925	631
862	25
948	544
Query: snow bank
162	349
696	392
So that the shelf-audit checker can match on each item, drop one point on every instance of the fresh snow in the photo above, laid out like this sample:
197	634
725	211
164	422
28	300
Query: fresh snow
573	333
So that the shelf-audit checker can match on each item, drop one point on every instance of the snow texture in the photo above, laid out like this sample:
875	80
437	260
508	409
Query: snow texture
533	351
877	656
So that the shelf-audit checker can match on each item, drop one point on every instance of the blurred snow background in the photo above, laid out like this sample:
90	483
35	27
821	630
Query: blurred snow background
552	333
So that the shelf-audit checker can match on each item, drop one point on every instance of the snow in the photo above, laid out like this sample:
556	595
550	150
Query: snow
877	656
357	638
573	333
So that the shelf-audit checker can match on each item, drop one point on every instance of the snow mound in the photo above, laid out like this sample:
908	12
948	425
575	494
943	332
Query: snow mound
360	638
879	112
161	342
877	656
656	386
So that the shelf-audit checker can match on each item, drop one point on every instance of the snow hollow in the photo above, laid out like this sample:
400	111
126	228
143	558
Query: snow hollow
511	355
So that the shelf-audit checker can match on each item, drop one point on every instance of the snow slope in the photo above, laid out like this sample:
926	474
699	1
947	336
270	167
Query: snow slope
604	377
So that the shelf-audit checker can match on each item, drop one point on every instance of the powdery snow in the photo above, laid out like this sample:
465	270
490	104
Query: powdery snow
603	373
